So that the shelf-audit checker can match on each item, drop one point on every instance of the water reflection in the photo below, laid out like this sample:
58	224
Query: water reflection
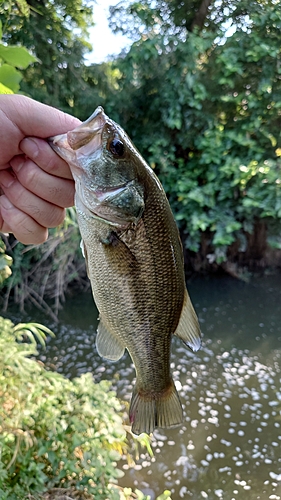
229	445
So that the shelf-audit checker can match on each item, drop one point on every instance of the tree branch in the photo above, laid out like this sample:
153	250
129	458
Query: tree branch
201	15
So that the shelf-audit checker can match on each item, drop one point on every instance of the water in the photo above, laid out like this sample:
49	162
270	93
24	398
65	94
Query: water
229	446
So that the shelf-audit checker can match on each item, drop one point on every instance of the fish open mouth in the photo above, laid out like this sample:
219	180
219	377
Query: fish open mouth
83	140
88	130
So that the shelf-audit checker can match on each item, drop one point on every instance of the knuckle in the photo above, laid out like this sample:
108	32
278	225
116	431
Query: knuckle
32	237
16	193
51	163
41	236
26	229
56	217
30	176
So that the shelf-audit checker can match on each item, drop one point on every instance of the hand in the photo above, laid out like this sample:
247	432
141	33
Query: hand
36	183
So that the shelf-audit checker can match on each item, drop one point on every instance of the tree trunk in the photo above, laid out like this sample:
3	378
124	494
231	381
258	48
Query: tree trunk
200	15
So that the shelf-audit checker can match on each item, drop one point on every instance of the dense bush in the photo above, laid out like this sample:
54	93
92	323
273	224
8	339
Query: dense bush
203	105
54	432
57	436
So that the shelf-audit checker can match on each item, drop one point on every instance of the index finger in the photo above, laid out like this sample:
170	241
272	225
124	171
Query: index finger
23	117
43	155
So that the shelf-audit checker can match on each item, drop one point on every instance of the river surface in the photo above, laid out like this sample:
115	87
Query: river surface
229	446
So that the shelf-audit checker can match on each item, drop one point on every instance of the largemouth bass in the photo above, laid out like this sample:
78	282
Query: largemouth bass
134	261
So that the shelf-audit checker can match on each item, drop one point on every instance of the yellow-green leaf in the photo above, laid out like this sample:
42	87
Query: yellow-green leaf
23	7
19	57
10	77
4	89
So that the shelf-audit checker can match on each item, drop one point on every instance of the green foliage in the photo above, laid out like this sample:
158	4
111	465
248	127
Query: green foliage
11	58
34	332
18	57
55	32
54	432
199	92
203	105
128	494
42	272
5	263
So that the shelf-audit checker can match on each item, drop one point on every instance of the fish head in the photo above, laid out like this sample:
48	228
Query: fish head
105	166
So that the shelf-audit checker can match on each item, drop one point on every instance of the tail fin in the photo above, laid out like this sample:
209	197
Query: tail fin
150	410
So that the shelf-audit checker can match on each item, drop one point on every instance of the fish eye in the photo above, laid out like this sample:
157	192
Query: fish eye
116	147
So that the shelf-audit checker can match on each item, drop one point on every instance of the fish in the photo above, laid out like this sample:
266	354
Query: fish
135	264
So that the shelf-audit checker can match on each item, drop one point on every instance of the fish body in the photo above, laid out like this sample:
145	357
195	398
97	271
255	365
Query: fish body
134	262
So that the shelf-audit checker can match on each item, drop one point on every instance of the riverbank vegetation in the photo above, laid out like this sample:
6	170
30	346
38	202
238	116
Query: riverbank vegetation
199	92
59	438
54	432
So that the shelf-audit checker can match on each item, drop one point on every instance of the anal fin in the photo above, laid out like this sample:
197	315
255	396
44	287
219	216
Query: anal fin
108	345
188	328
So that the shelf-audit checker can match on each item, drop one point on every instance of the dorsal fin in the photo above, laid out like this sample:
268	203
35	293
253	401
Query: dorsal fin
188	328
108	345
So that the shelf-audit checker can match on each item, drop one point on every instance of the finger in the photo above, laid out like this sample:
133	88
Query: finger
42	154
21	116
53	189
4	228
34	118
25	228
43	212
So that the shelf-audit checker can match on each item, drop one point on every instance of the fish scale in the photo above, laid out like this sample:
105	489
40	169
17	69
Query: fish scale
134	261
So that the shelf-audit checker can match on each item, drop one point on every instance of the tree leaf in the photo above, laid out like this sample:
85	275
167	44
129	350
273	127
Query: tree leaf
33	331
23	7
18	57
4	89
10	77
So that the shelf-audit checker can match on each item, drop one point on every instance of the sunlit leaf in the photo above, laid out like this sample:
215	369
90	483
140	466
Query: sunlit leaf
19	57
23	7
165	496
33	331
10	77
4	89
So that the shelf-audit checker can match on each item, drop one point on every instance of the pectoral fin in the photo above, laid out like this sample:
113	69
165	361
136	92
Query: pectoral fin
85	255
108	345
188	328
83	249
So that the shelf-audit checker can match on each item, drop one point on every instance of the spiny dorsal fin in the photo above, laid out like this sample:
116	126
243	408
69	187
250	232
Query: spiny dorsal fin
188	328
108	345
